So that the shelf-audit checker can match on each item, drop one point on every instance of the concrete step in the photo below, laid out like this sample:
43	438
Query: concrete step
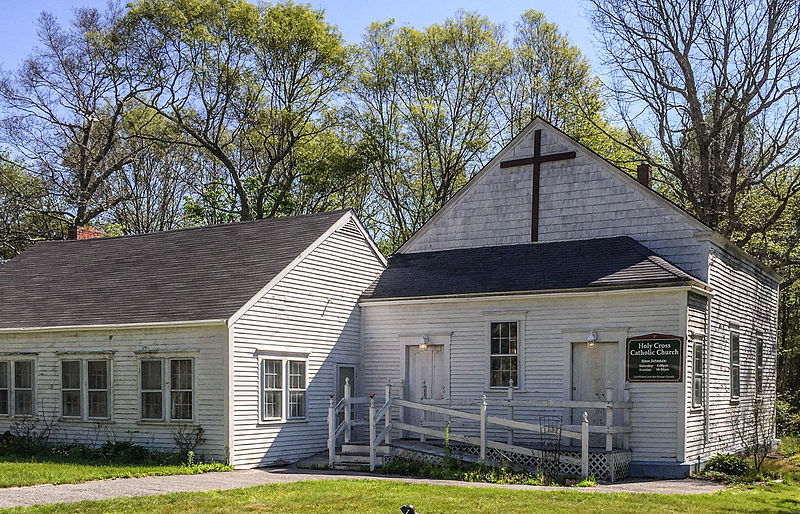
356	459
363	449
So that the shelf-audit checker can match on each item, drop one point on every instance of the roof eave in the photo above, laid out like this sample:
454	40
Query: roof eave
115	326
696	285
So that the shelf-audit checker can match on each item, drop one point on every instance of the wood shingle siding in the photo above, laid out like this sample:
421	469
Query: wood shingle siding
580	199
311	311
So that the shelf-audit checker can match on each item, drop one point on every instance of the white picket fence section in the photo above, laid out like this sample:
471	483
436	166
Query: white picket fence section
382	416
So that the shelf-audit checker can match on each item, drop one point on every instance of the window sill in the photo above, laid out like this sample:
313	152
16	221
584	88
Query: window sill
503	389
68	419
148	422
271	422
696	410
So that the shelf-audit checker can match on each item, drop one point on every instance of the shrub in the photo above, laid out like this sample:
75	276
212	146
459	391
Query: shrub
732	465
124	451
73	451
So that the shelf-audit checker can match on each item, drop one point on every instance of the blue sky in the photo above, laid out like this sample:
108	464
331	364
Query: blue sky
18	23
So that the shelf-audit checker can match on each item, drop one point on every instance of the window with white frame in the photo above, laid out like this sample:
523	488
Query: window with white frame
16	387
181	389
283	389
735	368
177	389
151	385
85	382
698	374
97	373
71	389
759	365
272	389
503	354
23	388
4	393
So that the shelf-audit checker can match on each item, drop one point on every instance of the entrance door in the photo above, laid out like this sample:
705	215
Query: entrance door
426	378
593	370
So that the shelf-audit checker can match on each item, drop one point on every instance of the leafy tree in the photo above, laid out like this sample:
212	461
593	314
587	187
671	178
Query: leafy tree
716	84
25	207
422	103
63	110
248	86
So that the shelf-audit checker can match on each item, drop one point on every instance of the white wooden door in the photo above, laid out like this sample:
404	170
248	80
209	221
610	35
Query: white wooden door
426	378
593	370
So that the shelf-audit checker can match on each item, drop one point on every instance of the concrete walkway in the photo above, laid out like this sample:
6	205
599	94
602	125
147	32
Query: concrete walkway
148	486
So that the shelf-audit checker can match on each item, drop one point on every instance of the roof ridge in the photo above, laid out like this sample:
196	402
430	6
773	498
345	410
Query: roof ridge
201	227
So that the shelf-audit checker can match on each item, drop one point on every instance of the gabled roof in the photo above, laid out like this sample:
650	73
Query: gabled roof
606	263
204	273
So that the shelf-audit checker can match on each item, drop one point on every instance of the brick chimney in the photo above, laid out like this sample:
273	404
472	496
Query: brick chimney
643	175
81	232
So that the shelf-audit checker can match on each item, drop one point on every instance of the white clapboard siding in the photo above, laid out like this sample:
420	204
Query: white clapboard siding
695	417
312	309
545	355
579	199
206	344
747	297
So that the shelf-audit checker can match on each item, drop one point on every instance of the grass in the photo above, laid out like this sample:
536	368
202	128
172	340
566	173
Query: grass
27	471
384	496
790	448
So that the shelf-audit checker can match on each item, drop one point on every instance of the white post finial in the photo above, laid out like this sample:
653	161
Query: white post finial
483	430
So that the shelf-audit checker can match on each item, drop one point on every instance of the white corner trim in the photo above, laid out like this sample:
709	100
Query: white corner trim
727	244
370	242
347	216
114	326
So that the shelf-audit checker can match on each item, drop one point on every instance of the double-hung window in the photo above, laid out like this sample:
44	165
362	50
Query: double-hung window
4	393
698	374
734	343
85	388
759	365
283	389
166	389
16	388
97	388
503	354
71	389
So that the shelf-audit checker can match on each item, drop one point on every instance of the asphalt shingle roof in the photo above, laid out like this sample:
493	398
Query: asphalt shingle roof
183	275
612	262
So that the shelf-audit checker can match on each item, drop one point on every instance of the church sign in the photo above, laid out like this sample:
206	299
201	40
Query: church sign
654	358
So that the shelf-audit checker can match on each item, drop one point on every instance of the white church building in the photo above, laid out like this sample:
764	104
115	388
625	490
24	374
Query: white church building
552	285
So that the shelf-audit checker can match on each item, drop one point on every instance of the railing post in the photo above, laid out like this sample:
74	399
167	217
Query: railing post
347	411
388	415
424	417
609	418
483	430
331	434
402	410
626	418
510	410
372	432
585	446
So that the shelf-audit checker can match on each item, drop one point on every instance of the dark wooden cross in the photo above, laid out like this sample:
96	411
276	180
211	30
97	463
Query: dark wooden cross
536	160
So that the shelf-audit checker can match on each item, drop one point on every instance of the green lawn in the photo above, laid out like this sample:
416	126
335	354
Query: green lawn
382	496
27	472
